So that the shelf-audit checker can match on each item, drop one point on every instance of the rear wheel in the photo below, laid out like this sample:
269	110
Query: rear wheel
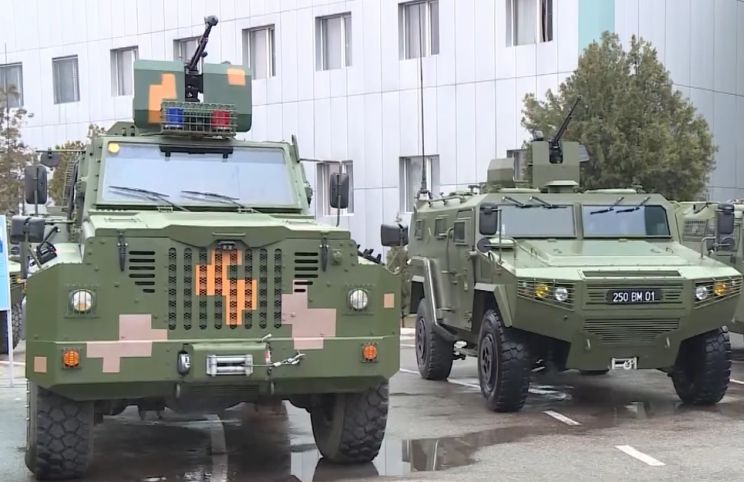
433	354
703	367
59	435
349	427
504	364
16	325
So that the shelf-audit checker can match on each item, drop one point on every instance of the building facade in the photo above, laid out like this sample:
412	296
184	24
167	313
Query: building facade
344	77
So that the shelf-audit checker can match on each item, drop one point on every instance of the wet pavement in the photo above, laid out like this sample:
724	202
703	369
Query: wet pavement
620	426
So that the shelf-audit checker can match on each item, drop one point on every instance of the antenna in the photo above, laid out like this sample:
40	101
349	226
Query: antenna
423	189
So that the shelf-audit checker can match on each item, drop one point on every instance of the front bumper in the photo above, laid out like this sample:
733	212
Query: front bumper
275	368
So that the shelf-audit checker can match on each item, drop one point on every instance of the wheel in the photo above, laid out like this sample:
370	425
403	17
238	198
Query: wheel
58	436
594	372
701	372
17	326
349	427
433	354
504	364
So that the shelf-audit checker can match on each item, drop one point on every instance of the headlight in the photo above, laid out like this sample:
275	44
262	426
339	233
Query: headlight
358	299
701	293
81	301
561	294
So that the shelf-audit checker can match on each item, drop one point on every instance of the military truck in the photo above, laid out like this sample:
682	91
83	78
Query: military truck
697	229
195	278
529	273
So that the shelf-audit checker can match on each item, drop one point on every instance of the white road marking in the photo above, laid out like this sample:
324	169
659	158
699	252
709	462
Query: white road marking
738	382
561	417
15	363
219	449
450	380
646	459
407	346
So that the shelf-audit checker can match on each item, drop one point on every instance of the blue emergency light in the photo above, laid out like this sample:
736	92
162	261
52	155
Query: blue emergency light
174	117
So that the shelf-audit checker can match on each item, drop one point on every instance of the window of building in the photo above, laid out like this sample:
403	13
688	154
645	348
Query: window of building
410	179
122	70
65	77
333	41
258	51
417	22
184	48
529	21
11	85
325	170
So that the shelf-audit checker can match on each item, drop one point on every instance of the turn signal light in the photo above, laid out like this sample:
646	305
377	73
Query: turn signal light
542	290
720	288
369	352
71	358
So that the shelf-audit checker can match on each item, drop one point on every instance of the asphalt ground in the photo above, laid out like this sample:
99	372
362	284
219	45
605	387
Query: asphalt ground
621	426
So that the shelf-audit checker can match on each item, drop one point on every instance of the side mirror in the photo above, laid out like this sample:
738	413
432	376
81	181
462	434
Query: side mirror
724	221
488	219
26	228
35	184
394	235
309	193
339	190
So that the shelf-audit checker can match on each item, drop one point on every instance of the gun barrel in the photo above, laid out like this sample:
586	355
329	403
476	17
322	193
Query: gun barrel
564	125
211	21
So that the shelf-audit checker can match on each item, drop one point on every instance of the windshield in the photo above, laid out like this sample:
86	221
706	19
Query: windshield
644	221
251	176
537	222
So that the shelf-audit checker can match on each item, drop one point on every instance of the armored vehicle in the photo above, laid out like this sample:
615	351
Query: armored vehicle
527	277
194	277
697	229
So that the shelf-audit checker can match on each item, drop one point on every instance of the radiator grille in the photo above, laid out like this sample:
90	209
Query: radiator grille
629	332
306	267
141	269
224	288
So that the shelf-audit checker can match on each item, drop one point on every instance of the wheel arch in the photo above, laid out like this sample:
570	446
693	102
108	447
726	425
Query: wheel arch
490	296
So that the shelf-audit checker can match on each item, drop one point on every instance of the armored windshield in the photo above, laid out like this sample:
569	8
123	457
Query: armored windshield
622	221
537	221
251	176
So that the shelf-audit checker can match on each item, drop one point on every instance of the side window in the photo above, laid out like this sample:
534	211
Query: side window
459	229
440	227
419	229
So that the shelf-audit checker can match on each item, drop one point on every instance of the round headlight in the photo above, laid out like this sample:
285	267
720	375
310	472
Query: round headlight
542	290
81	301
561	294
701	293
358	299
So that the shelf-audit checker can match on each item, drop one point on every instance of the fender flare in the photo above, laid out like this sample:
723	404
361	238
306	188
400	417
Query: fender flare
501	296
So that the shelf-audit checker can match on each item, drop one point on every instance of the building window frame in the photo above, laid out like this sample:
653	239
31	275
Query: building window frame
180	48
118	85
324	171
431	34
270	59
543	22
321	39
410	179
59	97
15	101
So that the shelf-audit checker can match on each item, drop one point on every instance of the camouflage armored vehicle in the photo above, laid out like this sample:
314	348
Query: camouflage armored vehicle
195	278
697	226
528	278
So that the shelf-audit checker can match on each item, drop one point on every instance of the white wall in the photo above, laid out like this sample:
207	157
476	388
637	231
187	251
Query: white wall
369	112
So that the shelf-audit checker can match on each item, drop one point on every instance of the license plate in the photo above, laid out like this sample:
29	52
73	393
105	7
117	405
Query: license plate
631	296
624	363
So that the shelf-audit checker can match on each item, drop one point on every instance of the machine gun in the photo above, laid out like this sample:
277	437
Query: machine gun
194	83
556	154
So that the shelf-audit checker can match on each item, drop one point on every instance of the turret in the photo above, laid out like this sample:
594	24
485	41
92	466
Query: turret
166	95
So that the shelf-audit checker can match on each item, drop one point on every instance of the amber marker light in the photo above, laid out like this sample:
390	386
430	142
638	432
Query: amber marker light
720	288
542	290
369	352
71	358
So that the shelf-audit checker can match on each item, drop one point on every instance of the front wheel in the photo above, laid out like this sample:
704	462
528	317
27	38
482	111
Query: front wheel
58	436
504	364
16	326
703	367
433	354
349	427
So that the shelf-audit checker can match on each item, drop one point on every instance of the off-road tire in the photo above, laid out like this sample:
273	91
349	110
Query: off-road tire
434	355
59	435
703	367
594	373
349	427
504	364
16	325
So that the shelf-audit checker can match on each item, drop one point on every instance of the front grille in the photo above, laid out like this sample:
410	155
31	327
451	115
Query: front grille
306	267
141	269
224	287
629	332
670	294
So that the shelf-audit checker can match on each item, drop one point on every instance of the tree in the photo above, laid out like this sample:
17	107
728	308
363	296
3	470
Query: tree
14	153
57	183
637	128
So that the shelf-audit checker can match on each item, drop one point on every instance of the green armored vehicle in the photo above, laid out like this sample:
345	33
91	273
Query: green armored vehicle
527	278
195	278
697	229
